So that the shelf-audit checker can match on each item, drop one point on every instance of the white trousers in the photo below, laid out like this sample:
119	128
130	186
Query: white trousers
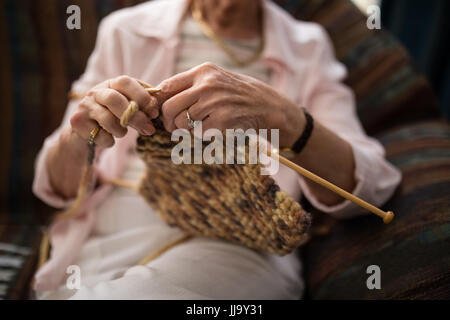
127	230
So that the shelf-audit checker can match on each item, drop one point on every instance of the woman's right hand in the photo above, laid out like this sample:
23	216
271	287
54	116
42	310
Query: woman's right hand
104	105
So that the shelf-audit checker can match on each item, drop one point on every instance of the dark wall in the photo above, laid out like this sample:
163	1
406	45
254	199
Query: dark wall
423	27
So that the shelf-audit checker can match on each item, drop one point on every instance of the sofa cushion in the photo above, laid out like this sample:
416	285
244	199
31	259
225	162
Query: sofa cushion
19	246
413	252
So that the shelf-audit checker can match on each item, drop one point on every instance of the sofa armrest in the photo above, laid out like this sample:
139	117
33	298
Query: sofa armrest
413	252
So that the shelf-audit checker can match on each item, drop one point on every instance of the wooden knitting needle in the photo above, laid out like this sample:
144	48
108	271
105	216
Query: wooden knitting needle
386	216
148	87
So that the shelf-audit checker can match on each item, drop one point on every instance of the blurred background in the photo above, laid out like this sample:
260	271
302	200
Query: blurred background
401	79
423	28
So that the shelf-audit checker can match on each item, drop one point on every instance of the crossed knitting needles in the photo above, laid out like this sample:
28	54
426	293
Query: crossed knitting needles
387	216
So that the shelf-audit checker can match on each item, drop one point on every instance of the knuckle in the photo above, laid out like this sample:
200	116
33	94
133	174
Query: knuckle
211	80
106	139
123	81
110	96
206	66
163	84
105	118
167	110
167	85
207	84
77	119
84	103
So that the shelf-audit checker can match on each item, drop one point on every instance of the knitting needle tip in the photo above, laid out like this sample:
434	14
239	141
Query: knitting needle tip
388	217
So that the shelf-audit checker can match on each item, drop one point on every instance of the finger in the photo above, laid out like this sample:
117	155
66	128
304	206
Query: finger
177	104
174	85
117	104
182	81
83	126
104	117
107	120
181	121
199	111
152	110
135	90
131	89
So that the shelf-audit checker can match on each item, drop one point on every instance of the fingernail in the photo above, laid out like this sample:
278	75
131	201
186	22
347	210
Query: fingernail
148	130
154	113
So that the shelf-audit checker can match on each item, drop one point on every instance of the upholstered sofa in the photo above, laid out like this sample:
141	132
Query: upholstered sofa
40	58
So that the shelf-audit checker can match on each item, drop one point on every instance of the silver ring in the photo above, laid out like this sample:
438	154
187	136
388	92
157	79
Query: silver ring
191	123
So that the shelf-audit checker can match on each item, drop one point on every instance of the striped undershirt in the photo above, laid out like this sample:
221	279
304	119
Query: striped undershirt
196	48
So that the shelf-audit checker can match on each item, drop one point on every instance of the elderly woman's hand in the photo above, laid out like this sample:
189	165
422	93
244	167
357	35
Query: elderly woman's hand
103	106
226	100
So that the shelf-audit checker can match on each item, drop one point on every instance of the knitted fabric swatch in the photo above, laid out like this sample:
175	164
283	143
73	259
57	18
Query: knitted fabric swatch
233	202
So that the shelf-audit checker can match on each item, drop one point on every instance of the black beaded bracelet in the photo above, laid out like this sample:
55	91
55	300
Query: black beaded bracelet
303	139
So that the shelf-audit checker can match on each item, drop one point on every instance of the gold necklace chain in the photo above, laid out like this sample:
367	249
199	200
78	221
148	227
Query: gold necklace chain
207	30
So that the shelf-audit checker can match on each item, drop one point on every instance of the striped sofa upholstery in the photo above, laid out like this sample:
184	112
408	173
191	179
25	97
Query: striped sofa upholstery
413	252
41	57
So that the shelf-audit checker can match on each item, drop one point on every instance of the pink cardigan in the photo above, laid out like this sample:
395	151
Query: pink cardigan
142	42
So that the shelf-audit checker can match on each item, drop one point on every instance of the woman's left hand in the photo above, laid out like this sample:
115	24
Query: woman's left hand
225	100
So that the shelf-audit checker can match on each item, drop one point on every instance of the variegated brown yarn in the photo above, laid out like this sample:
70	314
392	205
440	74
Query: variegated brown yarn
233	202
